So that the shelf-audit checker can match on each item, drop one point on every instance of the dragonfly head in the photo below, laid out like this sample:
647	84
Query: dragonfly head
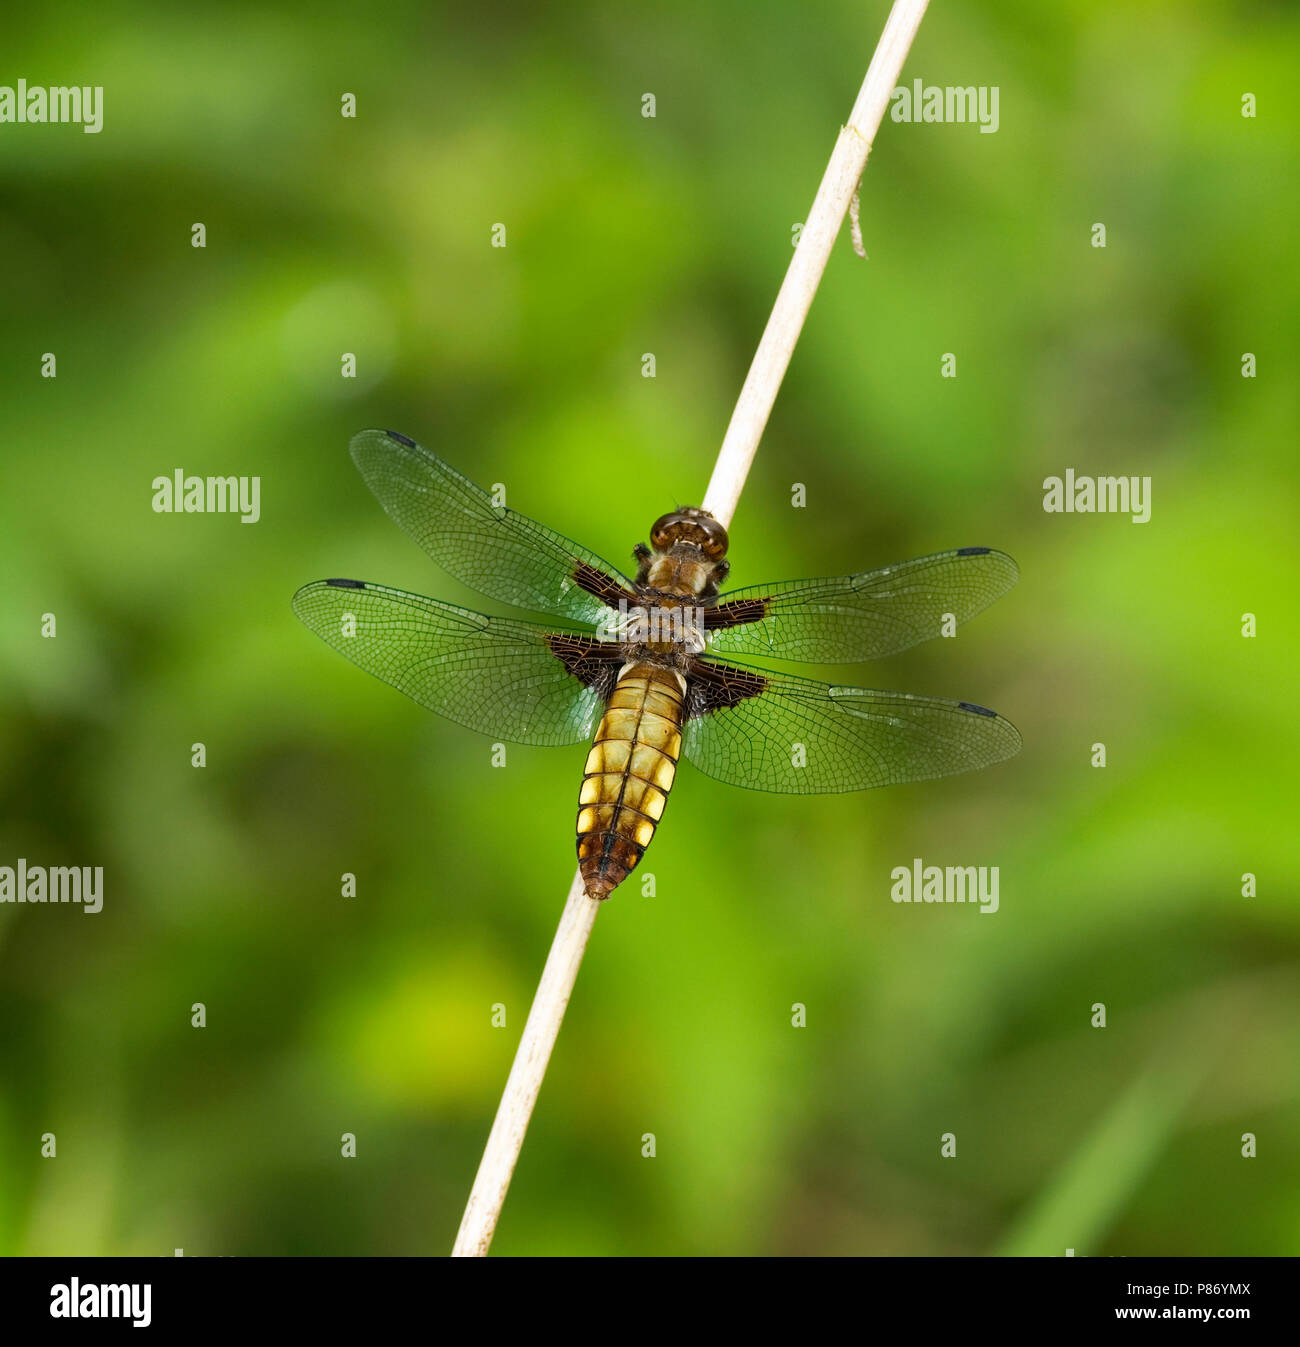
690	525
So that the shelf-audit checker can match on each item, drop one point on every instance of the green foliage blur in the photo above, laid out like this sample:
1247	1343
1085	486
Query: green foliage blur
372	1015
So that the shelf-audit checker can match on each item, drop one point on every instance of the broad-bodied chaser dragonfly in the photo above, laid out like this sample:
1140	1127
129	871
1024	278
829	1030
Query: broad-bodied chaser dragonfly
634	668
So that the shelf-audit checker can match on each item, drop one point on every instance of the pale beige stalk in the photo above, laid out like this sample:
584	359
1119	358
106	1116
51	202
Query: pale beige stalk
838	185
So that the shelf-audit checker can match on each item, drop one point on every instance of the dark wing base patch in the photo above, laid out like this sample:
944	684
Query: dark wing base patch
736	613
595	664
719	687
591	580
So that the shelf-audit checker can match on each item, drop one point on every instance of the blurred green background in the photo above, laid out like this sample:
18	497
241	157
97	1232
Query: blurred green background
522	365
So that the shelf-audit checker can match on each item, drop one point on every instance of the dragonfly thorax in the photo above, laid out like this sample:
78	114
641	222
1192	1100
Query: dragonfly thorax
656	627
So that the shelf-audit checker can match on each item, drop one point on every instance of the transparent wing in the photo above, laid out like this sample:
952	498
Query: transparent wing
767	731
855	617
496	551
510	679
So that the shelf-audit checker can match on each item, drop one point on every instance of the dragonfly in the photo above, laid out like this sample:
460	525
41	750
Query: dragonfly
641	667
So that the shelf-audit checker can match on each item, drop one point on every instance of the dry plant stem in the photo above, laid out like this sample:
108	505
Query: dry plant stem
737	453
820	230
525	1080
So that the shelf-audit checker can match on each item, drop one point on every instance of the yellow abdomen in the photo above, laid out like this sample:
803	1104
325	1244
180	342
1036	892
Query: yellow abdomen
629	773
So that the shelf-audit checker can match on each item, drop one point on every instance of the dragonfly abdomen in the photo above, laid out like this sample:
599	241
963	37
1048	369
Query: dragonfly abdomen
629	773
